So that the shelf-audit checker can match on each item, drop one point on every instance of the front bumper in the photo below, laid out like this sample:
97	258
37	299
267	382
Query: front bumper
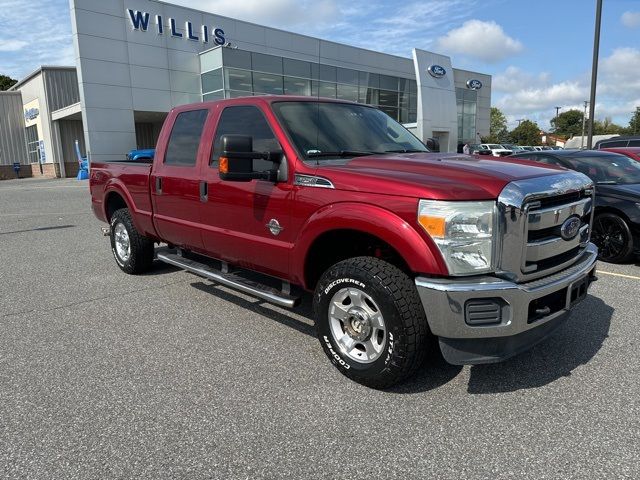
529	312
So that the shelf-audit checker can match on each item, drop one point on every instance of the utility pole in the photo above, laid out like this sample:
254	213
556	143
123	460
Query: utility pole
635	130
520	120
594	72
557	110
584	118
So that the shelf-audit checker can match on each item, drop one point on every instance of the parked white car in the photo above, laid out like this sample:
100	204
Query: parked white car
497	150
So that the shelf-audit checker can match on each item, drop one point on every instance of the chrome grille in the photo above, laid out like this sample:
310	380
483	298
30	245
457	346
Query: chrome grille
531	217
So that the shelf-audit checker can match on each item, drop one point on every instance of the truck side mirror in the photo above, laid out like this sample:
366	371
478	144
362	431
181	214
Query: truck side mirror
236	161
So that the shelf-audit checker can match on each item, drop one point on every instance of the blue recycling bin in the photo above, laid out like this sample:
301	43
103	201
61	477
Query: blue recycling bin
83	172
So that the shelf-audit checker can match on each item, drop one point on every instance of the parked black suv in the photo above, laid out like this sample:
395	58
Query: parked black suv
616	227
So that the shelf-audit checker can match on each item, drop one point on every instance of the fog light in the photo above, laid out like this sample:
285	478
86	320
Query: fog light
486	311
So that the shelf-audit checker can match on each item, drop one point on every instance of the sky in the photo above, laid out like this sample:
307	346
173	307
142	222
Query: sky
539	52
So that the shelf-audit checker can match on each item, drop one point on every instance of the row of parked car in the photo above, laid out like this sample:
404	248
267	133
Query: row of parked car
505	149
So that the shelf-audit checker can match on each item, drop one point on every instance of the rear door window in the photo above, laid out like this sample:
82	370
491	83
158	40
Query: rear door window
634	143
184	140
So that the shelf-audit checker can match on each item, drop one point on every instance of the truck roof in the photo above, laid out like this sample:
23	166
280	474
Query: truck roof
264	99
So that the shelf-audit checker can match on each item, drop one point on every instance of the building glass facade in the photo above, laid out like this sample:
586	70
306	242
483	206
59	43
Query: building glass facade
229	73
467	104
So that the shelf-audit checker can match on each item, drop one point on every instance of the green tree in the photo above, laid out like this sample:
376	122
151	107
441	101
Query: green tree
527	133
634	123
568	123
607	127
6	82
498	127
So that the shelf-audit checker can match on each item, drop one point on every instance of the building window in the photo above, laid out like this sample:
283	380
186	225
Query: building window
211	81
33	144
267	83
466	103
245	73
235	79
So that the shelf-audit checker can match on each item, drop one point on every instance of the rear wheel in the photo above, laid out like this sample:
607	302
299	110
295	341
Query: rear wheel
370	321
613	237
133	252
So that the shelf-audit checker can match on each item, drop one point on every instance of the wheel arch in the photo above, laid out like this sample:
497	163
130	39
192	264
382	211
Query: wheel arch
341	231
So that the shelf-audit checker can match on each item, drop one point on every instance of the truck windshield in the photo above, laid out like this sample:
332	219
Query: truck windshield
326	130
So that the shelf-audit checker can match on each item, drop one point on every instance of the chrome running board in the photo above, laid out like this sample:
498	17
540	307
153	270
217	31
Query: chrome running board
282	298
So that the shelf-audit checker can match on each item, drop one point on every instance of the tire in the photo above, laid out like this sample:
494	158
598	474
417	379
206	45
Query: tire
132	251
349	300
613	237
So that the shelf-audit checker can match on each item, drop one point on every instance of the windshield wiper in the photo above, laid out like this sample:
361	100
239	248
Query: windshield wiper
404	150
340	154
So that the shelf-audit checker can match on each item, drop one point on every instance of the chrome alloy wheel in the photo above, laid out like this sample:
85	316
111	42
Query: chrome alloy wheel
357	325
121	240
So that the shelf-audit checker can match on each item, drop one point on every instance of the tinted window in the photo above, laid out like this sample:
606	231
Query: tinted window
616	143
246	120
548	160
610	169
634	143
184	140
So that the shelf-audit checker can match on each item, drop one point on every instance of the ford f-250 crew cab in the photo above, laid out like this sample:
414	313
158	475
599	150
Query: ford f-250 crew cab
274	196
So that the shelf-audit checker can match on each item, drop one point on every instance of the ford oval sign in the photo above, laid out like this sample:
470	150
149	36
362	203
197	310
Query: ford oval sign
436	71
474	84
570	228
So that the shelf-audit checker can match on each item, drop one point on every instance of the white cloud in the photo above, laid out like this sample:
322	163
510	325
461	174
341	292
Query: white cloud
630	19
521	94
486	41
620	73
514	80
11	45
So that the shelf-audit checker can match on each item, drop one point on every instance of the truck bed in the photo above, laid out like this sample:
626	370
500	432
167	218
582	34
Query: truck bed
129	179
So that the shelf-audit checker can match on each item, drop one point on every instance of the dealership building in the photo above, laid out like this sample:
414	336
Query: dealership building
137	59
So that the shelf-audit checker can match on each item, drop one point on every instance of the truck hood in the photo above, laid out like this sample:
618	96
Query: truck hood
438	176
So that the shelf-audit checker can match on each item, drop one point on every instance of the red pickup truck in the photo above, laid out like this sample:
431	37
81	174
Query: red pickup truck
275	196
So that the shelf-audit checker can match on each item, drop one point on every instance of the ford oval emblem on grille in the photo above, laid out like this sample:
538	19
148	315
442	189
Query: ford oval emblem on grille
570	228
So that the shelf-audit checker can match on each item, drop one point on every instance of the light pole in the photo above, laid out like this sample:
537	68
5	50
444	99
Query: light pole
584	118
594	72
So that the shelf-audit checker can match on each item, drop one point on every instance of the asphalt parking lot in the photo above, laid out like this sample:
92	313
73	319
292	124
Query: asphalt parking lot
104	375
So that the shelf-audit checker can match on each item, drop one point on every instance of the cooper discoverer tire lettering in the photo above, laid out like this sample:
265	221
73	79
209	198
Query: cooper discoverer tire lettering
370	321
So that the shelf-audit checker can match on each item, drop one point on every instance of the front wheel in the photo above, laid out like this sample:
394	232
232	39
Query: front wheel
370	321
613	237
133	252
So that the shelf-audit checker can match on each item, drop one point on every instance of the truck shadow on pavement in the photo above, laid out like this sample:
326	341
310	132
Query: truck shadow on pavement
299	319
573	344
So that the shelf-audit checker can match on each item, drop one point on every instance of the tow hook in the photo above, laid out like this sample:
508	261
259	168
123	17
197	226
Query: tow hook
106	231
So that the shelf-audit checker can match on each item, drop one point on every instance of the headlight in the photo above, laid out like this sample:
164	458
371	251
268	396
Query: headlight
463	231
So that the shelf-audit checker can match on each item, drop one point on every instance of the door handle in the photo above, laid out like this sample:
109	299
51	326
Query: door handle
204	191
159	185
